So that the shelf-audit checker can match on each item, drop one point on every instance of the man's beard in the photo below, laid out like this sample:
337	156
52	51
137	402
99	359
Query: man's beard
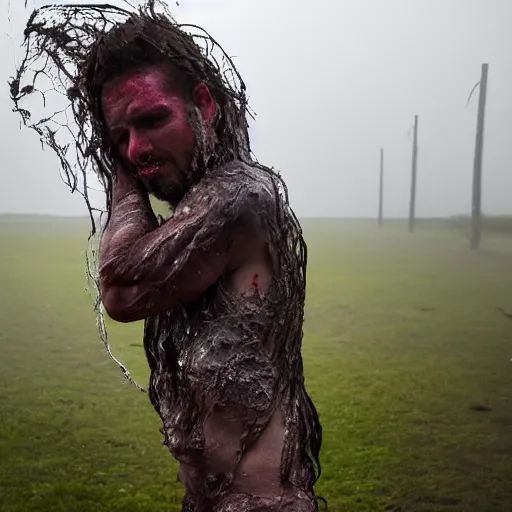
172	191
166	191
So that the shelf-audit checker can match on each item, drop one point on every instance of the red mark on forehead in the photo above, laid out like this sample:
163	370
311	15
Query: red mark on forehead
125	97
255	281
144	87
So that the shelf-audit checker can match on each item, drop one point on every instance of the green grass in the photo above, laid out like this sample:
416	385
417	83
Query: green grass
402	336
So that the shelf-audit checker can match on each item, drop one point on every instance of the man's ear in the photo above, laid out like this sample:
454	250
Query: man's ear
204	101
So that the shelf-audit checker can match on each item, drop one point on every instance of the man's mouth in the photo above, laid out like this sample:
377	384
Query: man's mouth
150	169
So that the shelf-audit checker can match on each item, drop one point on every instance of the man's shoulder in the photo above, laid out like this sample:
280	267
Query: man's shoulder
236	189
249	182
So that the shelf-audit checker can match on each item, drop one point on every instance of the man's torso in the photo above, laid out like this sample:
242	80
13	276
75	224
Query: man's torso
227	376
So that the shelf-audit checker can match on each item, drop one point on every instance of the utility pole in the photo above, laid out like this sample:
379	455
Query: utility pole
381	188
412	204
476	224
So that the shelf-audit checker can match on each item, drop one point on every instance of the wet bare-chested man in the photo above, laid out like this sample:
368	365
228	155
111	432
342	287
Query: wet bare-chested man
220	284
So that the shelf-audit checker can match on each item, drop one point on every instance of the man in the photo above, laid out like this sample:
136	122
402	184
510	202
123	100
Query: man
220	285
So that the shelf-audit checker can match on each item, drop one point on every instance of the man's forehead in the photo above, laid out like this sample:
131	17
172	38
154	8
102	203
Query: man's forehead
153	77
140	88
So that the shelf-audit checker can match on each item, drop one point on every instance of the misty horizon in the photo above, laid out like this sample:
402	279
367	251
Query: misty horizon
331	86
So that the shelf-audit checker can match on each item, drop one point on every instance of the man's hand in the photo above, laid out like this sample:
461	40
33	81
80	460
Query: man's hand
125	182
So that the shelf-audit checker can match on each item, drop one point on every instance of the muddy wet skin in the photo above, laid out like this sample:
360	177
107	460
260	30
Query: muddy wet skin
226	371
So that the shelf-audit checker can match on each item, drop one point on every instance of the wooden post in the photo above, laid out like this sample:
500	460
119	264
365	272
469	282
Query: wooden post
412	204
381	188
476	224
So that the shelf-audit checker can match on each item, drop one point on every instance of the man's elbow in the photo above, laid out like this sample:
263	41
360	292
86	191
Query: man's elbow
117	306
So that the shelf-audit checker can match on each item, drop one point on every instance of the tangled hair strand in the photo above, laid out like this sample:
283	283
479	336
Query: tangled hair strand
72	50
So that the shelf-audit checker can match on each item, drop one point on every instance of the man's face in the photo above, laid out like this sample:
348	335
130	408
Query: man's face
149	130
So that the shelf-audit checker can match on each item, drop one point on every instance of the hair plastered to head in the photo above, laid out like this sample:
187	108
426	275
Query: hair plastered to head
72	50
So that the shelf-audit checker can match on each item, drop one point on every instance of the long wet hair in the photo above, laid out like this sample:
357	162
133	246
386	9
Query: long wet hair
72	51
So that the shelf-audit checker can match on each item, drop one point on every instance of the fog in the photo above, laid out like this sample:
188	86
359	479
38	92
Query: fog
332	81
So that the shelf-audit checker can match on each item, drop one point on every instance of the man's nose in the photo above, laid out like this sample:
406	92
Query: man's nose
137	147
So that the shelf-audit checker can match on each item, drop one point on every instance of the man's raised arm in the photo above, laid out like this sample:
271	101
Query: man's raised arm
146	269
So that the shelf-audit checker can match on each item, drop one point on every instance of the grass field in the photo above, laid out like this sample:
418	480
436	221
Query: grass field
404	345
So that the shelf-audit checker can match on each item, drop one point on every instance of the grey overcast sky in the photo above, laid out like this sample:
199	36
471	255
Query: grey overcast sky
332	81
